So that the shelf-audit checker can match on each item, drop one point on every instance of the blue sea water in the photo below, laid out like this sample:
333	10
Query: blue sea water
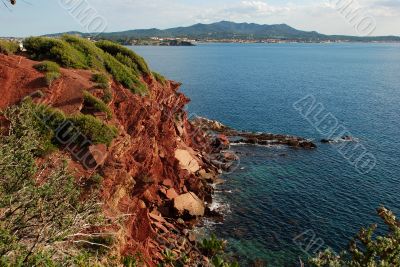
280	199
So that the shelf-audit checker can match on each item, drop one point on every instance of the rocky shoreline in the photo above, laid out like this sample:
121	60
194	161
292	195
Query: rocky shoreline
227	134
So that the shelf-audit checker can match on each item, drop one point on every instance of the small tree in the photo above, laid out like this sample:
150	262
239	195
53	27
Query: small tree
367	249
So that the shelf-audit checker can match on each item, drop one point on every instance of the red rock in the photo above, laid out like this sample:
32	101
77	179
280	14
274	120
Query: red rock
171	194
156	217
148	196
168	183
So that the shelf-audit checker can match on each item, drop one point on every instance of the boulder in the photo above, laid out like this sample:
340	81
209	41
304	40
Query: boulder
190	203
98	154
171	194
221	142
187	161
230	156
168	183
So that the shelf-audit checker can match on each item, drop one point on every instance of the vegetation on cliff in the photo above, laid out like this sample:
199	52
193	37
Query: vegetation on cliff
124	65
50	69
52	123
97	103
44	220
368	248
8	47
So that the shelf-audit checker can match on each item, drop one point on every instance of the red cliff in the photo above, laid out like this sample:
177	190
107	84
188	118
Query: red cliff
157	155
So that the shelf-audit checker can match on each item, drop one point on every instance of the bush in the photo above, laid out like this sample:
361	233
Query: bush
159	78
93	129
96	103
93	55
212	246
25	118
8	47
54	124
367	248
79	53
100	78
95	181
51	77
47	66
126	56
40	223
41	48
51	70
133	260
108	96
124	75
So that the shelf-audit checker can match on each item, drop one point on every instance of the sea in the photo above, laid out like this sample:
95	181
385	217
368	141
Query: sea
283	205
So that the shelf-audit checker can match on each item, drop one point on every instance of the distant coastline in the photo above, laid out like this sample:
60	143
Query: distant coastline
227	32
223	32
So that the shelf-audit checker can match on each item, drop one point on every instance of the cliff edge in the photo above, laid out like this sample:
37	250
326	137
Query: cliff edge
152	170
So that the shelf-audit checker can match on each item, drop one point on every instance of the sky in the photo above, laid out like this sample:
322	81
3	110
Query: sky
349	17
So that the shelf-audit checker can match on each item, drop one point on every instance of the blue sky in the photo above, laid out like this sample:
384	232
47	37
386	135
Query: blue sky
35	17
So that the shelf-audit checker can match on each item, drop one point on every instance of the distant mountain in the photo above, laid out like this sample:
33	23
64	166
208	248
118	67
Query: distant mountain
232	30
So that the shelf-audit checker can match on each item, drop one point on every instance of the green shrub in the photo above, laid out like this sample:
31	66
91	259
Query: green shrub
50	121
79	53
103	83
47	66
96	103
40	223
26	118
95	180
100	78
51	77
51	70
169	256
159	78
94	129
135	61
93	55
367	248
108	96
218	261
41	48
212	246
133	260
8	47
124	75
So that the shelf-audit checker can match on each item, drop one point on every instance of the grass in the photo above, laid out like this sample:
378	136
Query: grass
8	47
124	65
97	103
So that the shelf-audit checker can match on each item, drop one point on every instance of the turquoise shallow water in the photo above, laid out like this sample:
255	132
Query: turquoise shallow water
281	193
